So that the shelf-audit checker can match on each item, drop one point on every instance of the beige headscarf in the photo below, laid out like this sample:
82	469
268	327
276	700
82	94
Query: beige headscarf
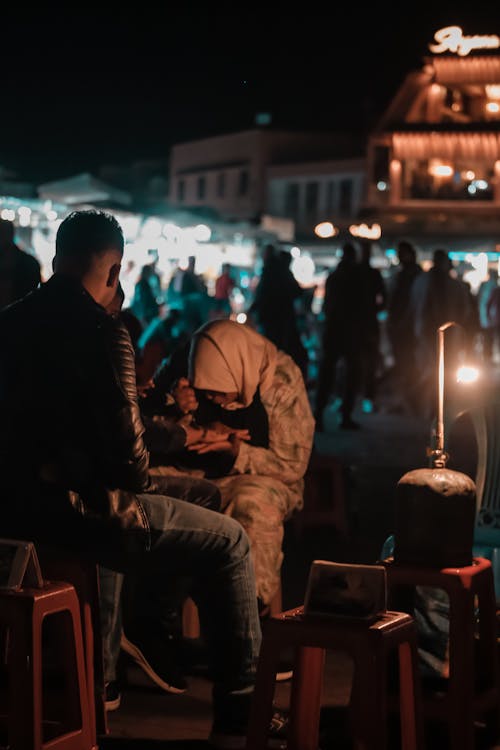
227	356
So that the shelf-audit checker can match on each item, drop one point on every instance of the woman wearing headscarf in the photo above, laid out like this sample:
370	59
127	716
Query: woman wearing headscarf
244	382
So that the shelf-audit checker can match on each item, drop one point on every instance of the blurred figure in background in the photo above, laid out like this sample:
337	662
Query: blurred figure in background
145	304
19	271
224	285
274	305
188	292
374	298
400	324
343	337
436	297
487	325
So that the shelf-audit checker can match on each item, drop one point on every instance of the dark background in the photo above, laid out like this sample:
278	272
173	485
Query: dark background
83	86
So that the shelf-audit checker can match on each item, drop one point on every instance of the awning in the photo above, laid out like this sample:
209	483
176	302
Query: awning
83	188
468	146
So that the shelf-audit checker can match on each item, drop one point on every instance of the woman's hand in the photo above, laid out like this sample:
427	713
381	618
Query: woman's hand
222	429
185	395
230	444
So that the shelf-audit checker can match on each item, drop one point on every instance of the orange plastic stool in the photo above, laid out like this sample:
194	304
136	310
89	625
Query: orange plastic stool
473	686
369	644
22	615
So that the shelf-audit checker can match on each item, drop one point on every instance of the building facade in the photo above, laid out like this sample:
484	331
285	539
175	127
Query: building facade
433	168
259	172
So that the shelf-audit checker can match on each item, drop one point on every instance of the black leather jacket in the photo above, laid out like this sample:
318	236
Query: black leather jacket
72	456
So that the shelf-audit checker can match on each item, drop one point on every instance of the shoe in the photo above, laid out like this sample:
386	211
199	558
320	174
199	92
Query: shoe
112	696
232	738
349	424
157	657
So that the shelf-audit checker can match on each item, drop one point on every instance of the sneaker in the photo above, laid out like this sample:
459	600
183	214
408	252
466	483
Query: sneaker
158	660
112	696
225	739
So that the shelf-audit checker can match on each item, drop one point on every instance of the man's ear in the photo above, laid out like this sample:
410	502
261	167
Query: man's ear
113	275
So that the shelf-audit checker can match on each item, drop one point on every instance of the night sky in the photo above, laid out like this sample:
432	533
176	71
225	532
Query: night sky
83	88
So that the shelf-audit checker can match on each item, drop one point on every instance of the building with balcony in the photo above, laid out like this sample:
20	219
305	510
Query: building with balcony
433	167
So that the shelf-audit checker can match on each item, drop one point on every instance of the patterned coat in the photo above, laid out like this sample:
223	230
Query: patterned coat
266	484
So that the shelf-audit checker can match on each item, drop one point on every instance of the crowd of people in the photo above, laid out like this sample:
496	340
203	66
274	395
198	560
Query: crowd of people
170	446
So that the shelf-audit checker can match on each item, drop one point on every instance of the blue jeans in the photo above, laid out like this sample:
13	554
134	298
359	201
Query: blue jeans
192	490
213	550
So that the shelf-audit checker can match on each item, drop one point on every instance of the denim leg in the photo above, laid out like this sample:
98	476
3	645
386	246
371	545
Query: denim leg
191	489
110	588
214	550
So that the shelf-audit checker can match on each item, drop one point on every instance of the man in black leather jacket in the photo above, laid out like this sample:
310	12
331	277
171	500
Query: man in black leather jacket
75	467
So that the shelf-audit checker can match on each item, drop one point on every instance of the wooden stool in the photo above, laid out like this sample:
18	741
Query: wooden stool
22	615
369	644
473	687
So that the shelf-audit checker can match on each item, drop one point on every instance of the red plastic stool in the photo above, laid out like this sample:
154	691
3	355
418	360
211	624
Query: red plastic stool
473	686
83	575
22	616
369	644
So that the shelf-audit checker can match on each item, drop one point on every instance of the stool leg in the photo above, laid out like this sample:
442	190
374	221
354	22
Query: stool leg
25	688
461	682
487	654
409	699
305	699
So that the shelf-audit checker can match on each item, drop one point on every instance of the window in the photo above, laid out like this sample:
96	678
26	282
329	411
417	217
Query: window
221	185
292	201
243	183
180	191
345	198
331	195
311	197
201	188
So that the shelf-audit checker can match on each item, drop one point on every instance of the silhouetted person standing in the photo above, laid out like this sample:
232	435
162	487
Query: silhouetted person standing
224	285
145	304
343	337
274	305
374	298
437	298
19	271
487	326
400	324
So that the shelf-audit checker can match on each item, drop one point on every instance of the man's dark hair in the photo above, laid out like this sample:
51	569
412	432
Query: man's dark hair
84	234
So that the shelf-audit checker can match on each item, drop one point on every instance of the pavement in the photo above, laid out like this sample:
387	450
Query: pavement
389	443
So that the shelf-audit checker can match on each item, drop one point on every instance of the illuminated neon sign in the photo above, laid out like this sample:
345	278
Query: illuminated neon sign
451	39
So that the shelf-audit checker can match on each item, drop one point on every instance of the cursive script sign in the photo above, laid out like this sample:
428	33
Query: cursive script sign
451	39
